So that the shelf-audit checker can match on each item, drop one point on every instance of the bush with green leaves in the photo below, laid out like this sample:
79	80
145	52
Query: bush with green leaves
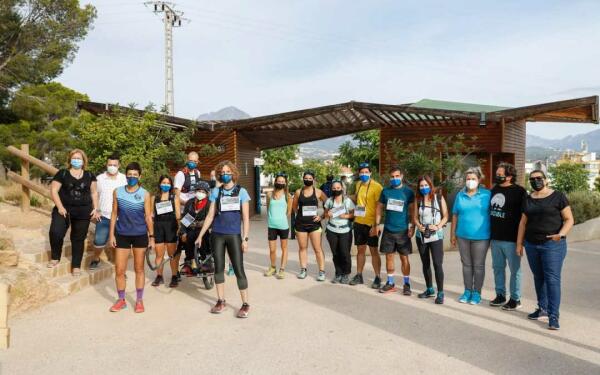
569	177
584	204
364	147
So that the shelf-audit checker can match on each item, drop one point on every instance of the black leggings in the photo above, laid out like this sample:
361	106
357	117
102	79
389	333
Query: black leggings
340	244
233	243
192	235
436	249
58	229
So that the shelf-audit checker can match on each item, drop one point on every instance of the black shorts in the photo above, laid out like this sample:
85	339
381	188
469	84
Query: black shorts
165	231
308	228
273	233
363	237
396	242
127	242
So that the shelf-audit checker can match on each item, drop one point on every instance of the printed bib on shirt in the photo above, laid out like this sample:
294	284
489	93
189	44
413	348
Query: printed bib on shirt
338	211
395	205
360	211
187	220
164	207
230	203
309	211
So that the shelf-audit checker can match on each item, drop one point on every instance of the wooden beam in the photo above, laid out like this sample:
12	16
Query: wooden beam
400	119
382	118
31	185
35	161
25	192
540	109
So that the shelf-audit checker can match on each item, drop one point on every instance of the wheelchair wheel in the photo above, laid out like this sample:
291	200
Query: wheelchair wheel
209	283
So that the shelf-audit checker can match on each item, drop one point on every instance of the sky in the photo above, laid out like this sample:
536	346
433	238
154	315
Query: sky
271	56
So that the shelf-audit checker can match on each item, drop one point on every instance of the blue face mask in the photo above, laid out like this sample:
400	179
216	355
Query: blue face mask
191	164
425	190
165	188
225	178
132	181
76	163
395	182
364	177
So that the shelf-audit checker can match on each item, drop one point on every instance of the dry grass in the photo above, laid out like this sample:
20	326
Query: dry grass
11	192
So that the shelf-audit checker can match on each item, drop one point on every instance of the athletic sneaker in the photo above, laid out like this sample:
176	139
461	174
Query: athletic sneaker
439	300
174	282
345	279
512	305
244	310
119	305
321	276
428	293
553	323
388	288
179	276
466	297
537	314
230	271
94	264
218	307
406	290
158	280
139	306
302	274
357	279
498	301
187	270
475	298
281	274
376	283
271	271
336	279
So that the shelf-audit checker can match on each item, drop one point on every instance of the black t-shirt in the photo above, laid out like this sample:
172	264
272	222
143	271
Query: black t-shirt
505	210
76	194
544	216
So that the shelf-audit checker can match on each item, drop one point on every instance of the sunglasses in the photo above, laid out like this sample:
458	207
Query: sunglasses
363	165
281	174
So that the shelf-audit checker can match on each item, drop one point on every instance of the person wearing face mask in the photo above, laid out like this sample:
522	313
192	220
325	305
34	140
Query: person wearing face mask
279	210
131	228
397	201
505	214
308	224
367	193
195	210
546	220
187	179
75	196
471	230
339	210
106	183
430	216
166	216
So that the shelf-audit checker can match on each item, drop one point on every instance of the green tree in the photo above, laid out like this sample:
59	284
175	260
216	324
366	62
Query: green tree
569	177
321	169
597	184
38	38
281	160
364	147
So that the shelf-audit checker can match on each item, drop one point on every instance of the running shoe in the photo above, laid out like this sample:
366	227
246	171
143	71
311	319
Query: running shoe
553	323
406	290
498	301
376	284
475	298
321	276
230	271
388	288
345	280
119	305
428	293
336	279
302	274
158	280
244	310
218	307
179	276
139	306
537	314
439	300
512	305
174	282
271	271
187	270
281	274
94	264
466	297
357	279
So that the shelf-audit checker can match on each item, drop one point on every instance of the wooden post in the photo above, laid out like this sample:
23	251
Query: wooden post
25	192
4	330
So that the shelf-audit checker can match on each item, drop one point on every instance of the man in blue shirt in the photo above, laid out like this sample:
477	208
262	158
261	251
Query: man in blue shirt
398	202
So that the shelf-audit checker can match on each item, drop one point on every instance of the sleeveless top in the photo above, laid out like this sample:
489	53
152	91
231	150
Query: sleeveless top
227	221
303	204
430	215
277	215
131	217
168	216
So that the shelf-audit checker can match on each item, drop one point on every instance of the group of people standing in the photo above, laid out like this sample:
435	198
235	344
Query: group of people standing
384	220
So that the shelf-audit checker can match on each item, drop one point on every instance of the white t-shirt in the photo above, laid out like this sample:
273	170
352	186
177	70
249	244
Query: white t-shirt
178	184
106	186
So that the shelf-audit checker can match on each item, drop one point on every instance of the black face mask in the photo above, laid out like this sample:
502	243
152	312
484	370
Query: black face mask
500	179
536	184
308	182
336	193
279	186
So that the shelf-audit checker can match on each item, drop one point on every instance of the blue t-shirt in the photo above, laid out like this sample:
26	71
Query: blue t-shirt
396	202
131	214
473	214
229	221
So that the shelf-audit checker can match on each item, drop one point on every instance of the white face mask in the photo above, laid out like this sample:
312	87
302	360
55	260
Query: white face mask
472	184
112	169
200	195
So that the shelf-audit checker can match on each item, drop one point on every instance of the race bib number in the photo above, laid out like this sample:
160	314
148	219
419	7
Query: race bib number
395	205
187	220
164	207
309	211
360	211
338	211
230	203
432	238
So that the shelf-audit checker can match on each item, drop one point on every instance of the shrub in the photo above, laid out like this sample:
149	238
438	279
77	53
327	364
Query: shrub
585	205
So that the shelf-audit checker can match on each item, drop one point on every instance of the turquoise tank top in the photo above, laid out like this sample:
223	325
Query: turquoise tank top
277	216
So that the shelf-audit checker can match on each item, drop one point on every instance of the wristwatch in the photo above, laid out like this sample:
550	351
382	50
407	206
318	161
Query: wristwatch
151	236
246	239
562	236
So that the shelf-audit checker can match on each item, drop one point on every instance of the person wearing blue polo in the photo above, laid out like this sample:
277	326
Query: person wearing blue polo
471	230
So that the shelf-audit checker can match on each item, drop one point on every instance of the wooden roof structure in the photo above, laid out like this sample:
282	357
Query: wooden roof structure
312	124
